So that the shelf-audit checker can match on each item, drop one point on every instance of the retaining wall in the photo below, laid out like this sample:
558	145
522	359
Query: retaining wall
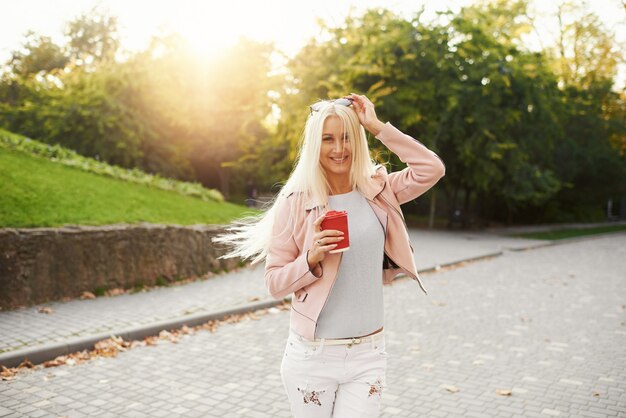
44	264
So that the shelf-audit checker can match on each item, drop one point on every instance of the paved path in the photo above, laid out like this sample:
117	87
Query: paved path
548	324
27	328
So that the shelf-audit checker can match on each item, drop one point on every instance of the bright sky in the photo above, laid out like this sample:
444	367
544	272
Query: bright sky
211	25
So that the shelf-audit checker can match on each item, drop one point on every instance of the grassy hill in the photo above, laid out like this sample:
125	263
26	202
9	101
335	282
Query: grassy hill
36	191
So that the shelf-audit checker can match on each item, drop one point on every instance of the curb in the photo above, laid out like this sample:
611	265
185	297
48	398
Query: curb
47	352
565	241
40	354
437	267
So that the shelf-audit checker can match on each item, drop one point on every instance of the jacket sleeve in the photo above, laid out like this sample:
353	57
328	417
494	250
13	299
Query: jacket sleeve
424	167
286	269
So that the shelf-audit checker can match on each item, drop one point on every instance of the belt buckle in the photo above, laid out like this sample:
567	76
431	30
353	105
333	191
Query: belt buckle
354	341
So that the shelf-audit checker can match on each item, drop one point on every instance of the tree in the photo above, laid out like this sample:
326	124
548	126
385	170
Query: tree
93	38
39	54
586	52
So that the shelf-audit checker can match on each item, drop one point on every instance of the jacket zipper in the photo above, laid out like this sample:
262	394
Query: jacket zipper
407	229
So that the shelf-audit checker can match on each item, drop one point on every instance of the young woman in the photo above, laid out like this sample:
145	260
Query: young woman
335	362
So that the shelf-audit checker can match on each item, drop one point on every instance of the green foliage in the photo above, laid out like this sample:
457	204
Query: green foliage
525	135
38	54
70	158
164	110
93	37
466	86
37	192
572	233
100	291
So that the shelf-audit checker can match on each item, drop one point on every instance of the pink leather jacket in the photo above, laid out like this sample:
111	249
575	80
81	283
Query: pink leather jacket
286	267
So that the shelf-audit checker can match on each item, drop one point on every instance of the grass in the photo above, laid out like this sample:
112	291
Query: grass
70	158
570	233
37	192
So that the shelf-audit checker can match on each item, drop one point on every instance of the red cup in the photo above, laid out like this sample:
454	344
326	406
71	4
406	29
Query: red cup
337	220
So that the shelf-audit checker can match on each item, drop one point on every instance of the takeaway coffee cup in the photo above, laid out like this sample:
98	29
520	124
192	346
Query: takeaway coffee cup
337	220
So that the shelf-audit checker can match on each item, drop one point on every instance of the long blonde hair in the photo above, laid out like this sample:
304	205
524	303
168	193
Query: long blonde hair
250	237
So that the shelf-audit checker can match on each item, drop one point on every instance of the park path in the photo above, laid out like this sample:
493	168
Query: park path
29	329
548	325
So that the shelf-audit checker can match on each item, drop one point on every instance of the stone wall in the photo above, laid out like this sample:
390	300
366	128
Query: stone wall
45	264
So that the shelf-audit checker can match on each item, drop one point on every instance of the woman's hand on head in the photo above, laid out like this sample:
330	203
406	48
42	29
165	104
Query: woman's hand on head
364	109
323	241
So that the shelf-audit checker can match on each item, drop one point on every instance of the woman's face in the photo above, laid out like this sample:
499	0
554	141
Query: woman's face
336	153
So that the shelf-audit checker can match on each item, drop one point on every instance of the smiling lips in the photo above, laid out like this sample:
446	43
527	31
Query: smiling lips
339	160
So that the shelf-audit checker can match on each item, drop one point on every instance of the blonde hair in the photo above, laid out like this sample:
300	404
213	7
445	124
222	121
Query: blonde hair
250	236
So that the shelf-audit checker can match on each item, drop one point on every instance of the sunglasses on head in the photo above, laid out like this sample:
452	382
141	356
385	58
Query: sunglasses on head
342	102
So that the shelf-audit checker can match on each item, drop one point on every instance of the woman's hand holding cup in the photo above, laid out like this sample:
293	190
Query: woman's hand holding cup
323	241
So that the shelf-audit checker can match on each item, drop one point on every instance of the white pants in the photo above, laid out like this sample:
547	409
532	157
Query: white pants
334	380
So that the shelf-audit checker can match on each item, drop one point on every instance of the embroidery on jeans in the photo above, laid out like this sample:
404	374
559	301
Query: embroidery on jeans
311	396
376	388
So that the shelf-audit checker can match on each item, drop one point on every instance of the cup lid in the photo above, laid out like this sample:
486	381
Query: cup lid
335	213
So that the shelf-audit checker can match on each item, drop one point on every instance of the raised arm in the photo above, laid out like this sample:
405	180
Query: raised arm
424	167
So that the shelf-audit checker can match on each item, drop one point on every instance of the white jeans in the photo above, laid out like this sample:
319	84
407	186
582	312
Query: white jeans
334	380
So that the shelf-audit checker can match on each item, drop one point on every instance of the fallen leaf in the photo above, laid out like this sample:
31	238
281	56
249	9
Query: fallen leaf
254	298
595	394
450	388
87	295
44	309
166	335
7	374
26	364
116	291
504	392
54	363
186	330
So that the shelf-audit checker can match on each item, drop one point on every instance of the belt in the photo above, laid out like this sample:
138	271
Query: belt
338	341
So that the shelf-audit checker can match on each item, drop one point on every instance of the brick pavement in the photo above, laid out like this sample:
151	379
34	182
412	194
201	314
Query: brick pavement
26	328
548	324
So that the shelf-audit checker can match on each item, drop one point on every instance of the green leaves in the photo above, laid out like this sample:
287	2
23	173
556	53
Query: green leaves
466	87
70	158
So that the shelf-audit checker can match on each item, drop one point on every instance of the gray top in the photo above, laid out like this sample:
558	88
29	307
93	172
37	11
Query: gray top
355	304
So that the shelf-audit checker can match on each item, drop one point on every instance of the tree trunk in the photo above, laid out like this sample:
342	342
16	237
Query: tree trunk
433	205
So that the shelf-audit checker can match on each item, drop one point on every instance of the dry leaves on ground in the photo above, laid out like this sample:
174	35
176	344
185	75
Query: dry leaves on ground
110	347
44	309
7	373
87	295
115	292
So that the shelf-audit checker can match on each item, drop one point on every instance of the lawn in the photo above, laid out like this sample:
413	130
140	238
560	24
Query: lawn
573	232
37	192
